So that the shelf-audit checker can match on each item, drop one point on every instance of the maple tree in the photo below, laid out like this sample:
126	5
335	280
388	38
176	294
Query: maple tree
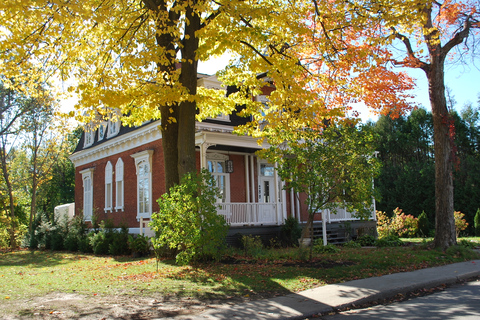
429	31
141	57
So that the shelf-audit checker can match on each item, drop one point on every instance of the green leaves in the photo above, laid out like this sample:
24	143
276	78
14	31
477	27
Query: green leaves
187	220
334	166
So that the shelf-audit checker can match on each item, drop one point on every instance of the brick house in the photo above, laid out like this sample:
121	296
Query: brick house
119	175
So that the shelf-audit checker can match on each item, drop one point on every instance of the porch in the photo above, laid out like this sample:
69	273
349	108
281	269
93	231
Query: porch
258	214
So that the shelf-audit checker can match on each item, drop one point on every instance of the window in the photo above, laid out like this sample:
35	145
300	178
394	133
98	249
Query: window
108	186
87	178
101	131
89	137
144	183
217	167
119	185
113	128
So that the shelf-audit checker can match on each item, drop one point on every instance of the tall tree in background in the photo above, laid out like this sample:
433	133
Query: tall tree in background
13	106
429	31
43	139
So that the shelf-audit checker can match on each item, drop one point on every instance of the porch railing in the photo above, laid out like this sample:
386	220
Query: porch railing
240	214
341	214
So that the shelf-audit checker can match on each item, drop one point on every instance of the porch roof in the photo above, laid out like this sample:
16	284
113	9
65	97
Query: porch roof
228	139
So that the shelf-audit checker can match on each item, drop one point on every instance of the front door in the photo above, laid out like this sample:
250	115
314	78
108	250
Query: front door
266	193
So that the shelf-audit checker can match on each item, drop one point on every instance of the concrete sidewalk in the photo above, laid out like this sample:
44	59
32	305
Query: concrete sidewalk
327	298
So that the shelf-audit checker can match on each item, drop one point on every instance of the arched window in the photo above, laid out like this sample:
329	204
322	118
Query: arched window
108	186
119	185
89	137
87	178
143	162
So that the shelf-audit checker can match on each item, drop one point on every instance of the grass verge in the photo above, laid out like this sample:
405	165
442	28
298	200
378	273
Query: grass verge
26	274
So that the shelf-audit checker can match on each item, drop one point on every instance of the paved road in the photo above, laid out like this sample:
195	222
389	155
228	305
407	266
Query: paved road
457	302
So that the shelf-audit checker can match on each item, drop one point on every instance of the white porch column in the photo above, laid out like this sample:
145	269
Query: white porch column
277	195
324	229
247	179
203	154
297	202
252	180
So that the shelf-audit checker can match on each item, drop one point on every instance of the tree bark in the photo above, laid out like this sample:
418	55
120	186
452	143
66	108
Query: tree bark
6	177
443	146
188	78
178	121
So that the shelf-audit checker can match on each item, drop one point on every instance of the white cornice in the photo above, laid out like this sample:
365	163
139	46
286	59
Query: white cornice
228	139
125	142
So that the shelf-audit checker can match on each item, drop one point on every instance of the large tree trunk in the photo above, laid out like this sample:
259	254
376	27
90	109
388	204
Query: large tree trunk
178	121
443	144
188	78
170	145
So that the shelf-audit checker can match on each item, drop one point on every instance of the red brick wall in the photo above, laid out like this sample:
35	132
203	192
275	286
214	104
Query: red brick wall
237	179
129	215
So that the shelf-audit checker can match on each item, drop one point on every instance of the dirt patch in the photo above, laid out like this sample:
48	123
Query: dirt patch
75	306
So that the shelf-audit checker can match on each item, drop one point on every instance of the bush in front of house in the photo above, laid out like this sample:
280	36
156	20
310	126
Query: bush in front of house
291	232
252	245
73	235
109	241
188	221
139	245
399	224
423	225
460	223
476	223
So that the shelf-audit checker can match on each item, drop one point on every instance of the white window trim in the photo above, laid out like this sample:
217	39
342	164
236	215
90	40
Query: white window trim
108	191
119	192
116	126
140	157
221	157
87	174
102	126
89	137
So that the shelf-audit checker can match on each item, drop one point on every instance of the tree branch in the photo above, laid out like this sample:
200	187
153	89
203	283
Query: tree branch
422	65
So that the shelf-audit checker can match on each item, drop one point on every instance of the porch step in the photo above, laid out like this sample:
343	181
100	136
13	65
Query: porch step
335	233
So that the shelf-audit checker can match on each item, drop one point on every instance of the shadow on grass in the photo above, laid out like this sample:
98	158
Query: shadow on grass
34	259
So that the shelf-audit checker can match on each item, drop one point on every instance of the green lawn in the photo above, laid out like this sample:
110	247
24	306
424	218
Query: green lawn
25	274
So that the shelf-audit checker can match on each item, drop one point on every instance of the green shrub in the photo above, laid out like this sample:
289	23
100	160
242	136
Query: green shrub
291	232
390	241
400	224
84	243
352	244
252	245
119	245
476	223
423	225
460	223
468	244
139	245
188	221
318	247
366	240
462	252
77	234
102	240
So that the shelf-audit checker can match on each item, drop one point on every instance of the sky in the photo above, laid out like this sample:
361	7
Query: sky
463	80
